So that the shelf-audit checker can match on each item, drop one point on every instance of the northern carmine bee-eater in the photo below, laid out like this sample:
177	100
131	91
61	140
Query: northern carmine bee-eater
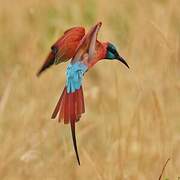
84	50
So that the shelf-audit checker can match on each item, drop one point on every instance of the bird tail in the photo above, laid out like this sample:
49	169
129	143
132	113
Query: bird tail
70	108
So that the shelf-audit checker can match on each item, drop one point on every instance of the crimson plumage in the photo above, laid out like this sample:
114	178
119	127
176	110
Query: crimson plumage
65	104
64	48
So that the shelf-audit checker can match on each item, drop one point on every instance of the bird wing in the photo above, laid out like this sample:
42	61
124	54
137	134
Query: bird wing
88	44
64	48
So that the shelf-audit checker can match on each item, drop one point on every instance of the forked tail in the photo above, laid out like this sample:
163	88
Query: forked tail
70	107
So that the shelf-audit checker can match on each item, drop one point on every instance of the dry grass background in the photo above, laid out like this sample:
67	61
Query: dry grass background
132	123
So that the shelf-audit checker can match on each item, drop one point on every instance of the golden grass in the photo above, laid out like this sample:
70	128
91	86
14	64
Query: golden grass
131	126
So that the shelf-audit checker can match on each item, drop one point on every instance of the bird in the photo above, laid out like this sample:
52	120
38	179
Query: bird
84	51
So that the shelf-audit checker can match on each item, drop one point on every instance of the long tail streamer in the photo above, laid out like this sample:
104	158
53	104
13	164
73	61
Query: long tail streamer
70	108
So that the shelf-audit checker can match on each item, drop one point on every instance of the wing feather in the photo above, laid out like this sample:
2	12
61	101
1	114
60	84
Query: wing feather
87	44
64	48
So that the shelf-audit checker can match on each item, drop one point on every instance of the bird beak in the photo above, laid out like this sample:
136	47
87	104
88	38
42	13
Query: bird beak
121	59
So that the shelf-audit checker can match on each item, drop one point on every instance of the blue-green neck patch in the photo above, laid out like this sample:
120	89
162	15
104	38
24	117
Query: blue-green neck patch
110	55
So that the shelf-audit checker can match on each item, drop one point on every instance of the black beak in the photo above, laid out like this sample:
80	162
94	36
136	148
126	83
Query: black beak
123	61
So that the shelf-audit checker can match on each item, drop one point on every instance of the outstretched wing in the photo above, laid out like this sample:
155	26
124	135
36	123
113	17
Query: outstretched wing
64	48
88	44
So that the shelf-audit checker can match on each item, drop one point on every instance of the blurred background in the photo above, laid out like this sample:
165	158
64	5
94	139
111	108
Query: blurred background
132	121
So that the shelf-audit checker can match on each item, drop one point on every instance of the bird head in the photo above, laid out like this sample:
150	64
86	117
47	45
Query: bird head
112	54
